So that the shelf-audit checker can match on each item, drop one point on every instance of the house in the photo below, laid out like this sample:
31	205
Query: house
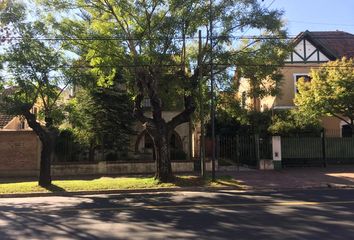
180	141
311	49
12	122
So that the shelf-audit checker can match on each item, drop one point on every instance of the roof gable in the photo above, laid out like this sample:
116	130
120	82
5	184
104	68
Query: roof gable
339	43
322	46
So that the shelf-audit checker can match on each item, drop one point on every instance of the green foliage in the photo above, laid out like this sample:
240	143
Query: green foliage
102	116
293	122
259	64
66	148
235	119
31	65
330	91
148	33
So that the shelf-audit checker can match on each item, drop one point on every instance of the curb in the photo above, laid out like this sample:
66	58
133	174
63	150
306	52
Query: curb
181	189
337	185
122	191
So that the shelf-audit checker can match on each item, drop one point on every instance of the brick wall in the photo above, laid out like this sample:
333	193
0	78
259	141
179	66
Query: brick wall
19	153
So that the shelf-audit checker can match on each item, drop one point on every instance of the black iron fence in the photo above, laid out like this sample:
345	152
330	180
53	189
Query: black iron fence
243	149
67	149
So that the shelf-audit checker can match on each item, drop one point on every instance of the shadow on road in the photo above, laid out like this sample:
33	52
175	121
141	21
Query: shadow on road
220	215
54	188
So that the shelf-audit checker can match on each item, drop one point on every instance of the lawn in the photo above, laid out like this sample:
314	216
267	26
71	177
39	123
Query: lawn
115	183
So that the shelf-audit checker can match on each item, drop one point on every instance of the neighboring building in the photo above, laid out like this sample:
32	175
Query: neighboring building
180	141
12	122
311	49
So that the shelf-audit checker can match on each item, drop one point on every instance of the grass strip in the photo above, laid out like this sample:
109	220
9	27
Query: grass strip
114	183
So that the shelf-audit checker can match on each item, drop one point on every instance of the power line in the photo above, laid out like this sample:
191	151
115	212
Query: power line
250	37
225	65
322	23
285	65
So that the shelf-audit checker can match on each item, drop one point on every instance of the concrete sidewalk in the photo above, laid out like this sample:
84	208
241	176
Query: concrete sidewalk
290	178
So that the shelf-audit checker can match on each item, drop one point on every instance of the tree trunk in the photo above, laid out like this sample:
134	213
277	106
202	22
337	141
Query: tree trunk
45	178
160	134
47	149
163	158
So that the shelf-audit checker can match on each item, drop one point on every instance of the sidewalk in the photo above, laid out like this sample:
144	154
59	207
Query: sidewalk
250	179
290	178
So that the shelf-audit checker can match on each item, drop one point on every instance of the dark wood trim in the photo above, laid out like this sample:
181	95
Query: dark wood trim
298	55
304	45
312	55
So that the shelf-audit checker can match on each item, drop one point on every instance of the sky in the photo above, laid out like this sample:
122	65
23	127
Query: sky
316	15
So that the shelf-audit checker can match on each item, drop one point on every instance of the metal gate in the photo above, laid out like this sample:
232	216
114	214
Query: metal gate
243	150
317	151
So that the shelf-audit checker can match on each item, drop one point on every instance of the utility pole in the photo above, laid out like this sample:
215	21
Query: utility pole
201	107
212	107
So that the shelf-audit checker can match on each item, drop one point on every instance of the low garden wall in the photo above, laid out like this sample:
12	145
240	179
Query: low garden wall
128	167
20	157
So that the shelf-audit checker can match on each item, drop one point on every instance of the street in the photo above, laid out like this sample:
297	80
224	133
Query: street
297	214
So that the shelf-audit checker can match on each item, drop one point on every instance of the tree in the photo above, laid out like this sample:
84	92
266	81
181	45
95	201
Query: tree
260	66
150	44
330	92
32	66
101	116
290	122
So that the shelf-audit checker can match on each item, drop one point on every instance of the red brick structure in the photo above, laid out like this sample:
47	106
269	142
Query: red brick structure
19	153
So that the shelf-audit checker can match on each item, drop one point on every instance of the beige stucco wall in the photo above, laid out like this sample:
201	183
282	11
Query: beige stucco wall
182	130
286	98
332	125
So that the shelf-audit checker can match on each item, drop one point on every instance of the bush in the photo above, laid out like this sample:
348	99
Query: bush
292	123
112	156
178	154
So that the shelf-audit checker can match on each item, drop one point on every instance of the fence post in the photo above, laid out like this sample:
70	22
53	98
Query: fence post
238	152
257	153
323	135
276	147
202	155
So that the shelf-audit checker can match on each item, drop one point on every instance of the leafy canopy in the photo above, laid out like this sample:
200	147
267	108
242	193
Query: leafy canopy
330	91
32	65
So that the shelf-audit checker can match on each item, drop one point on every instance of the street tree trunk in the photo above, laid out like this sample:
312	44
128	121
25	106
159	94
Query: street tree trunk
163	158
160	130
47	141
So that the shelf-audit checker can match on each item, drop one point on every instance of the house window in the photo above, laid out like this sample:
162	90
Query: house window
148	141
146	103
347	131
297	77
243	99
35	111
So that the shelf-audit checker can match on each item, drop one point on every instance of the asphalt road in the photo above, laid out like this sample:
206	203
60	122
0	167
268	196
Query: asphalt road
300	214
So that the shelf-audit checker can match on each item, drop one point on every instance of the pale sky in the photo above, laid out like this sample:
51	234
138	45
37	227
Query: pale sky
316	15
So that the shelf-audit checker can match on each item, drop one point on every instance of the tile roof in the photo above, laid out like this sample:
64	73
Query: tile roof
338	44
5	119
